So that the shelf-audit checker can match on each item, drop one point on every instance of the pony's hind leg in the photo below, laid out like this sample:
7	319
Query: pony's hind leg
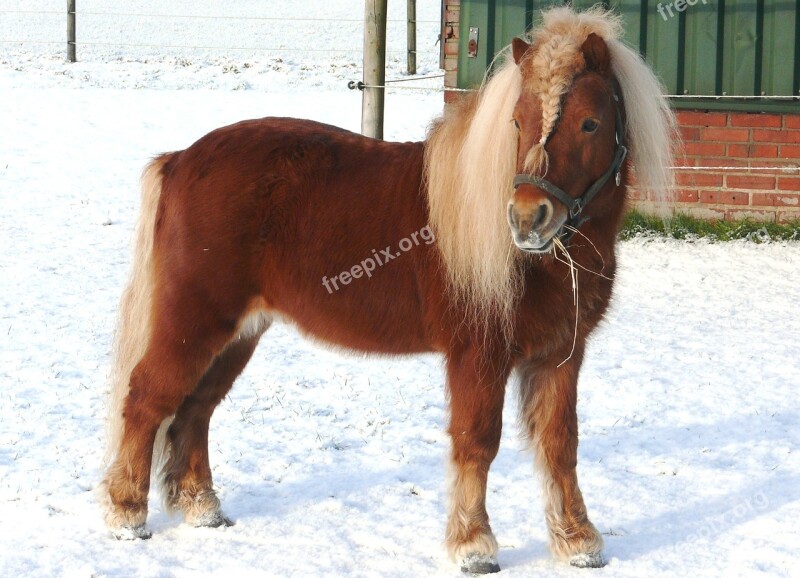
476	388
178	353
548	412
186	473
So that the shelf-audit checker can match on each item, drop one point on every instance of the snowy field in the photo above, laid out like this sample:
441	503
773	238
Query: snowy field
334	465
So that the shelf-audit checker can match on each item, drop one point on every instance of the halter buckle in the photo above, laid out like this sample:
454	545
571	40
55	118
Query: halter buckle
576	209
623	153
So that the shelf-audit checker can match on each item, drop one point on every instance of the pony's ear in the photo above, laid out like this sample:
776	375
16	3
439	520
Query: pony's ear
595	52
519	47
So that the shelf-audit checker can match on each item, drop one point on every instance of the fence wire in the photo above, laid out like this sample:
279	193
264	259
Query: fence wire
362	86
208	16
209	46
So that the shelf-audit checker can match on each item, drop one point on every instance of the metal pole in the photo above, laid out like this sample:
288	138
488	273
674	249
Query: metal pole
374	68
71	31
411	35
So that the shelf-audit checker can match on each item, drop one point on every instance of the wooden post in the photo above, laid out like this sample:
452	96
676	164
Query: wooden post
411	36
71	31
374	68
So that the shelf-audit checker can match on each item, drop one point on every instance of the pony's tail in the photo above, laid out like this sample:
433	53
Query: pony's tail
133	326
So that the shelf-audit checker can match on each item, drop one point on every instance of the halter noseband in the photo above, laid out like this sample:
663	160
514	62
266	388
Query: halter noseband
575	205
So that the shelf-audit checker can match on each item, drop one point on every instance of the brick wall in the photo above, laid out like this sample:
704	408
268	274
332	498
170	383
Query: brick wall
743	141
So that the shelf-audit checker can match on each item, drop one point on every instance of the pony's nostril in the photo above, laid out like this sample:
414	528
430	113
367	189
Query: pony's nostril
541	217
512	216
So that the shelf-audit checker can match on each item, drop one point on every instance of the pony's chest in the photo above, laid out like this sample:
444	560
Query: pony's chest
560	308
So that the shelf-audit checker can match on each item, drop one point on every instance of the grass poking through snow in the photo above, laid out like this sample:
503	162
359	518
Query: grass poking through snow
680	226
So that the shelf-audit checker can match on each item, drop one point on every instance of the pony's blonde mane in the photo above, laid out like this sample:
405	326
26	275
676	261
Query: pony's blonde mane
470	158
470	161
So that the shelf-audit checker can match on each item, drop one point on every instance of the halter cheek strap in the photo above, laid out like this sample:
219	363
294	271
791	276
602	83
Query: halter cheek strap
575	205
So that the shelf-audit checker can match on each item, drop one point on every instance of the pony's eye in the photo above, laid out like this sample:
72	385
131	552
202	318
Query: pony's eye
516	124
589	125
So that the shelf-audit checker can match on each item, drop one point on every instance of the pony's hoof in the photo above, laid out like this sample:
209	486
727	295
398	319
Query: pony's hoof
477	563
132	533
212	520
587	560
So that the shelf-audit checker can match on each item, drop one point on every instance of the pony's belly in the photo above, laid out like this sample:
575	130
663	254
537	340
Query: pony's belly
356	334
375	316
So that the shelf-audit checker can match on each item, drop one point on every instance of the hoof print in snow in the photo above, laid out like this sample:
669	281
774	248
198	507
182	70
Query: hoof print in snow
132	533
587	561
479	564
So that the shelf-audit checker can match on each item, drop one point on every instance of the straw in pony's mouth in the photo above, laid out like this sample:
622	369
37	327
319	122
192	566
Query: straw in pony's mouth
573	272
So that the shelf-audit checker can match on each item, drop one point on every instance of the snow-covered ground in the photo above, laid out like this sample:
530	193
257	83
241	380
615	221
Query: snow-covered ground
251	44
335	464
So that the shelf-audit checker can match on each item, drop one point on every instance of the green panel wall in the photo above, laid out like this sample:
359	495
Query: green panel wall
739	47
712	47
700	58
781	39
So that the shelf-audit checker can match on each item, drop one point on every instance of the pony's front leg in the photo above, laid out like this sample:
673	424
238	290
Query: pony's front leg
476	387
548	406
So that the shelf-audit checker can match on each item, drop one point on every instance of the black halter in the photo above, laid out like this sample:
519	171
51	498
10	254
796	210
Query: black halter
575	205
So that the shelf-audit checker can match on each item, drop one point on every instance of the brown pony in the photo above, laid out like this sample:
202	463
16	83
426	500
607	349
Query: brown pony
523	186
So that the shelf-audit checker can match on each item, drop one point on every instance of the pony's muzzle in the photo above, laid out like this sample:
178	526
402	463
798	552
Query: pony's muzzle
531	224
